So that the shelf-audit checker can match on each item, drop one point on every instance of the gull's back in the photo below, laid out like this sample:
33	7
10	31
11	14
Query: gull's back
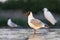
11	24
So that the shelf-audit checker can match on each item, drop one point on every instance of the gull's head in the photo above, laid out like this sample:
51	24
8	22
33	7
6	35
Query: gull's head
46	26
45	9
8	17
28	13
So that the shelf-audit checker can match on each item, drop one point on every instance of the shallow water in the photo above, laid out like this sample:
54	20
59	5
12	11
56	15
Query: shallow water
27	34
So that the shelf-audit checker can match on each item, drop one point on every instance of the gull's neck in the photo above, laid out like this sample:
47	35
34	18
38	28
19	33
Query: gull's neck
30	16
45	10
9	20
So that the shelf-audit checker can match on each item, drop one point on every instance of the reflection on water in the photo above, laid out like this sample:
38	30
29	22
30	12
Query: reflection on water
35	37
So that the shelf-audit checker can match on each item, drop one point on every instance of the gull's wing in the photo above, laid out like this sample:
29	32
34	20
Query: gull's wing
13	24
37	23
50	17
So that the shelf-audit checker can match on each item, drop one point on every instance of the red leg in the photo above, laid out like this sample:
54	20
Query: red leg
34	31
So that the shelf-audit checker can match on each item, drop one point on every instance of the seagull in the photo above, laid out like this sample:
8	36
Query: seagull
48	15
3	1
33	22
11	24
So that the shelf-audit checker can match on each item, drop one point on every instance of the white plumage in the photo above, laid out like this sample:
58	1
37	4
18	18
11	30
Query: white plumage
34	23
11	24
3	1
49	16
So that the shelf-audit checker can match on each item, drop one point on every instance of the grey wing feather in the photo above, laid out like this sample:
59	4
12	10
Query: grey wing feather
36	22
15	25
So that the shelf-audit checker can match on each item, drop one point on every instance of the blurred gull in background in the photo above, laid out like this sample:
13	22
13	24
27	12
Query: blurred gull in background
49	16
11	24
3	1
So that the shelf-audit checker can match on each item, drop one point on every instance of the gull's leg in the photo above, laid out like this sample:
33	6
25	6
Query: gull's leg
11	28
48	27
34	31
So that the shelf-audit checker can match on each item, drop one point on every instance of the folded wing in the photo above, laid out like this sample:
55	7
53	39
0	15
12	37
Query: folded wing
50	17
11	24
37	23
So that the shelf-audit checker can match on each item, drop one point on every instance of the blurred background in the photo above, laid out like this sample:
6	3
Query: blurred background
15	9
